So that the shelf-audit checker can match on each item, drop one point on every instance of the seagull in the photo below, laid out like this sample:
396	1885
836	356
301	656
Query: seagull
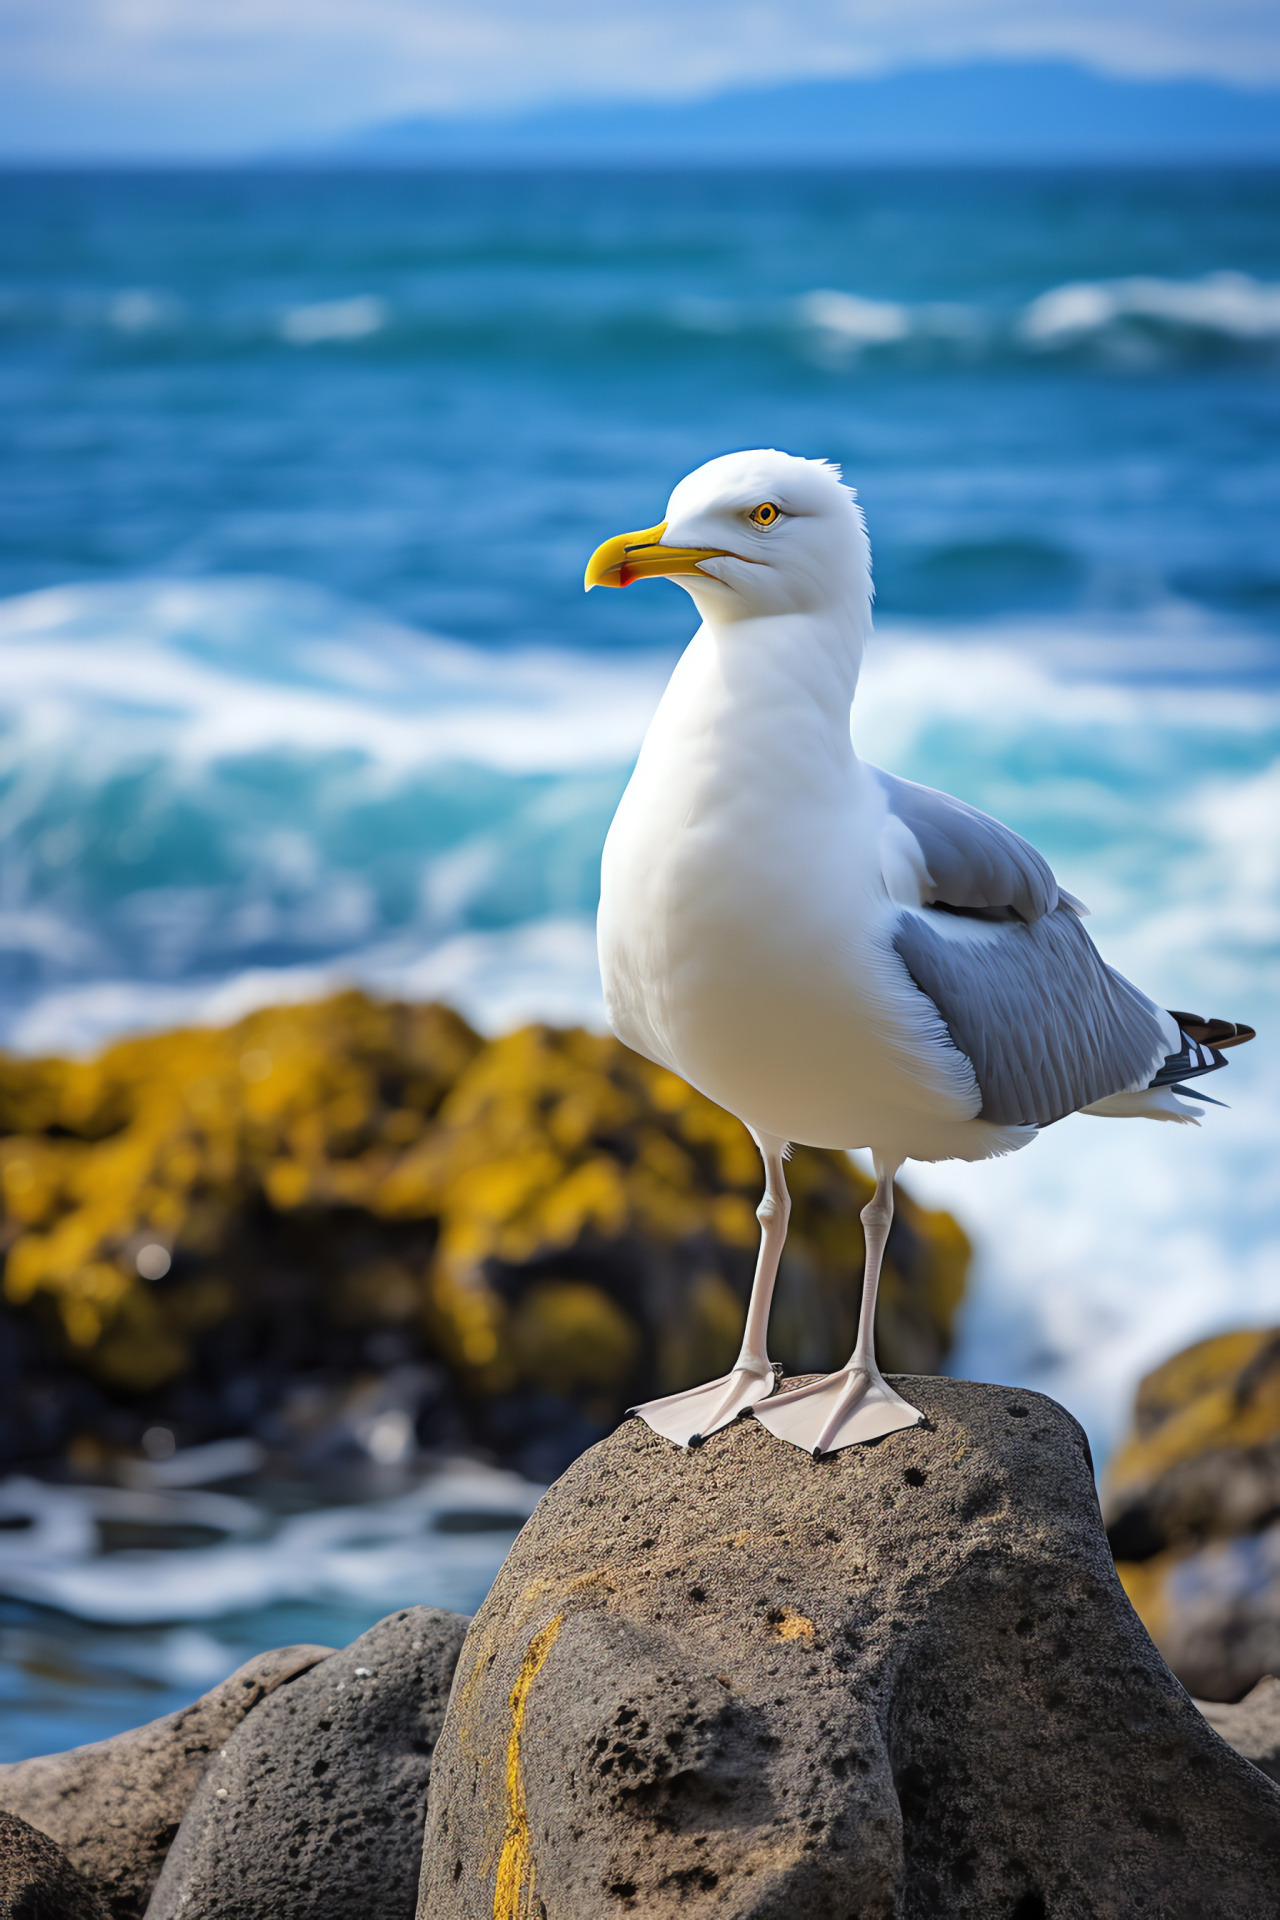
838	956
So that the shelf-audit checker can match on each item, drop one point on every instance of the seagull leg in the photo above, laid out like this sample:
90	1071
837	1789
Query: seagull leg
688	1418
857	1403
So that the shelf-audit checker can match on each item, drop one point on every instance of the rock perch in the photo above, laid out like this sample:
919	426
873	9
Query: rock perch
903	1683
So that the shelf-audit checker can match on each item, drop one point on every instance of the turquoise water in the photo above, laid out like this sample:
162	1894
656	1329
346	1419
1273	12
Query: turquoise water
298	684
349	411
430	392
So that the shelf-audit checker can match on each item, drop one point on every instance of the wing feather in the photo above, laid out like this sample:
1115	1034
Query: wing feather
1048	1026
974	862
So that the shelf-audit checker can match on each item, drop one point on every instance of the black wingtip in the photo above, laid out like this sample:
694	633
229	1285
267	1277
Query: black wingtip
1215	1033
1194	1093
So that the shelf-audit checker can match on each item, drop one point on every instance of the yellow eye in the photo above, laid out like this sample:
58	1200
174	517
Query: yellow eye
765	514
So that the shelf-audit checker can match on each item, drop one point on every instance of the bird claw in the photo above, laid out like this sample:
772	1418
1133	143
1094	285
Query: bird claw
689	1418
848	1407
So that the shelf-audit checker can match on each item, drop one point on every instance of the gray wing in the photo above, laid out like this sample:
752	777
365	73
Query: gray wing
1048	1026
973	861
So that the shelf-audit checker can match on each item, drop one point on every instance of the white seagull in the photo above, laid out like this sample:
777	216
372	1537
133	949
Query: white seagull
838	956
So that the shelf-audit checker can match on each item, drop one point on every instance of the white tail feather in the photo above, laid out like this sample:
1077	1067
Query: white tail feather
1149	1103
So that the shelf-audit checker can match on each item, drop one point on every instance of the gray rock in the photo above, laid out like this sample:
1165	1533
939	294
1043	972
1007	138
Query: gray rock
37	1881
1252	1725
902	1683
114	1807
1202	1461
314	1809
1222	1492
1214	1611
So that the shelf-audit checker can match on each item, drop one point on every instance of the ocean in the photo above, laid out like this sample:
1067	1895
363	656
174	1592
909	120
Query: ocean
299	686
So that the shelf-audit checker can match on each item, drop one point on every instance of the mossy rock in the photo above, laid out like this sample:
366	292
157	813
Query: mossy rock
545	1213
1190	1499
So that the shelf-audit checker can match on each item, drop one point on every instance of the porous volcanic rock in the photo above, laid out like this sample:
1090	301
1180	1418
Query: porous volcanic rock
37	1881
314	1809
114	1807
1252	1725
902	1683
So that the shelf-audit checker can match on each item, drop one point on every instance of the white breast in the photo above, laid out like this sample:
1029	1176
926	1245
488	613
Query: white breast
745	923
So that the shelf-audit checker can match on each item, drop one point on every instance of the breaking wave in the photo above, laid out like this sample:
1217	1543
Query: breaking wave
1126	323
1131	322
216	794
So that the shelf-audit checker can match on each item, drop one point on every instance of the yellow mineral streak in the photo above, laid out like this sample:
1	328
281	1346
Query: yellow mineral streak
513	1891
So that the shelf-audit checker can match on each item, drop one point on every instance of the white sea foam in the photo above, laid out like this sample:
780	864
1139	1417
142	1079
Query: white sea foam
499	979
384	1553
205	669
326	320
1233	305
1129	320
1231	308
853	319
140	310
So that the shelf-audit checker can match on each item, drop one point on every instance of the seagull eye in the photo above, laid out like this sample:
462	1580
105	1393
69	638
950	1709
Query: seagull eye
765	514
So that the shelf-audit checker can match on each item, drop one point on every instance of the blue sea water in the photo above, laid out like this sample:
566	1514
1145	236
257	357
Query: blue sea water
298	684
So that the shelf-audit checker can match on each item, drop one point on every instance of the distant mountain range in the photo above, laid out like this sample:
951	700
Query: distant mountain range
1000	112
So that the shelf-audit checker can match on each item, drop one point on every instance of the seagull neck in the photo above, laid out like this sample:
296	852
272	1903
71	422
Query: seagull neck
788	661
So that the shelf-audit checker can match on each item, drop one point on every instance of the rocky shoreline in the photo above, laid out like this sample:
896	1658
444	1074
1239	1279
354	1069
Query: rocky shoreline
901	1684
355	1230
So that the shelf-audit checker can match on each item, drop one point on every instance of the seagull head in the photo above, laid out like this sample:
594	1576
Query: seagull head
752	534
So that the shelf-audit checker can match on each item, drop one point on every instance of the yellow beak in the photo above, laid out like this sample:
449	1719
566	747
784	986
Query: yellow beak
639	556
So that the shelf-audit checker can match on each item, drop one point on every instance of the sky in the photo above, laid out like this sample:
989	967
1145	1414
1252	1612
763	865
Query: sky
211	78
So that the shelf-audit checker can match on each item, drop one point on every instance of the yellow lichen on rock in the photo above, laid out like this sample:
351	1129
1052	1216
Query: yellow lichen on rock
1214	1394
546	1208
1190	1499
571	1339
168	1139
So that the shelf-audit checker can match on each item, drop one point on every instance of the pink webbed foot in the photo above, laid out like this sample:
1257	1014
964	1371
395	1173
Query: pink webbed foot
688	1418
848	1407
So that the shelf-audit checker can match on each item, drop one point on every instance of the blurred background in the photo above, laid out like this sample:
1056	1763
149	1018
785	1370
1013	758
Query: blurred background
330	346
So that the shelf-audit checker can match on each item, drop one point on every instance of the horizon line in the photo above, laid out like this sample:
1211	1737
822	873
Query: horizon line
968	112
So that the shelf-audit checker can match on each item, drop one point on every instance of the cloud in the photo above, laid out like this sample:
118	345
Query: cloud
226	76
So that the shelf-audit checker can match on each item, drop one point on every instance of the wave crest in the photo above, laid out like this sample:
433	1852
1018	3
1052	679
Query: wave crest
1224	312
1231	306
